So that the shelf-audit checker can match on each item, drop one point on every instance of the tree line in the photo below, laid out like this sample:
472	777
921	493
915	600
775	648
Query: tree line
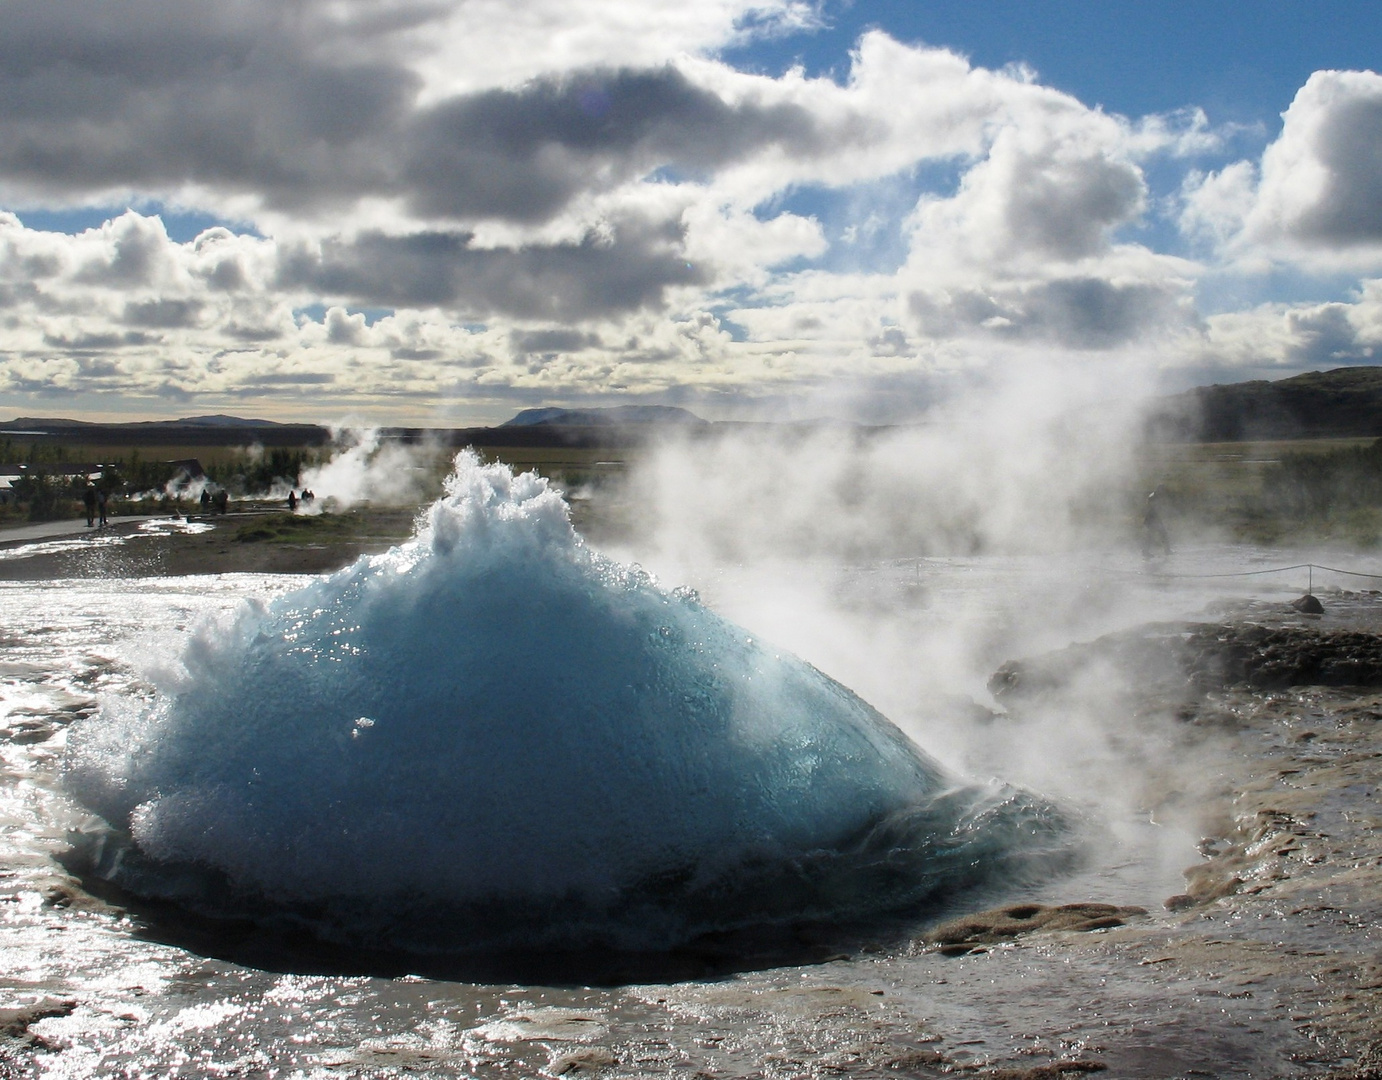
45	491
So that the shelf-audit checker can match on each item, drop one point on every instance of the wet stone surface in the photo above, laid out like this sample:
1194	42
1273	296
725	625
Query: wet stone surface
1182	662
1267	963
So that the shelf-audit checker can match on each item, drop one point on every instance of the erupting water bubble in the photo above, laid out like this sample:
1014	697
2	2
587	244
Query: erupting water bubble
493	736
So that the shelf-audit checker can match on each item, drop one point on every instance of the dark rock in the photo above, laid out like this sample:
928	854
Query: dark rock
1308	605
916	1059
585	1060
969	933
15	1023
1054	1070
1178	663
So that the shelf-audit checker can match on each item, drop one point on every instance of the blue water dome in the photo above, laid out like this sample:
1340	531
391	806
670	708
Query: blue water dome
494	737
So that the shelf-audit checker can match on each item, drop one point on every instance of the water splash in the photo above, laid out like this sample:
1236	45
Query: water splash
493	736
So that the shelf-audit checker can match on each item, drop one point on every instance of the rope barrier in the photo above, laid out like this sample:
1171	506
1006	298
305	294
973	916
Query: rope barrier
1275	570
1351	573
1311	567
1239	573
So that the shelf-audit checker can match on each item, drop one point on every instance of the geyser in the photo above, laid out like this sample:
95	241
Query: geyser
494	737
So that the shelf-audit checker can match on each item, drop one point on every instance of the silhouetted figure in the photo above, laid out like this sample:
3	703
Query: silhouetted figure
101	506
206	501
307	496
89	498
292	501
1155	538
222	499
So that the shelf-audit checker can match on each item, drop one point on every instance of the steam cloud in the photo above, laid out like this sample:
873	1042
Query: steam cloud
912	563
365	468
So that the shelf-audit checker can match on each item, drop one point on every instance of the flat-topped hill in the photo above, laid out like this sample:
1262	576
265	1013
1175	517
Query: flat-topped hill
618	415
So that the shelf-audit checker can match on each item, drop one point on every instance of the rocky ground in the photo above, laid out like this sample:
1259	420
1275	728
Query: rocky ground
1263	732
1260	729
1276	721
1267	963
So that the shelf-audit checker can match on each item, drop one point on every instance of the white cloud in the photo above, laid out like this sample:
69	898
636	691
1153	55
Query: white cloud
457	52
579	199
1322	179
1285	338
1216	205
1038	197
1315	201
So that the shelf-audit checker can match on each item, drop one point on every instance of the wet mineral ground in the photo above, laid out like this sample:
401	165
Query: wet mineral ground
1260	731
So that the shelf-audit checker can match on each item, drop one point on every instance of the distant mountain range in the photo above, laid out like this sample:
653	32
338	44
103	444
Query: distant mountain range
622	426
218	430
217	420
221	420
1343	403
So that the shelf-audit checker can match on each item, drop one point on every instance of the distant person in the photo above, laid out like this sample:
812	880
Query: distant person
89	498
206	501
292	501
1155	538
307	496
101	506
222	499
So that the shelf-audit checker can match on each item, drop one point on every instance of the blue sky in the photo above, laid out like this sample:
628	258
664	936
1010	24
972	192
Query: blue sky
1239	63
436	213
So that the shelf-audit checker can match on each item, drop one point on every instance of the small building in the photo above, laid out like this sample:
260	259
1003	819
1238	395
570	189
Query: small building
185	473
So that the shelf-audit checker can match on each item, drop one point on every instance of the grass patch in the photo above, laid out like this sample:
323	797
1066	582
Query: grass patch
1306	491
280	528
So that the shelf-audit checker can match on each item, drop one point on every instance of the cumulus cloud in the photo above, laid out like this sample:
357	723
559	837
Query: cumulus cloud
1027	250
1315	199
1215	205
452	206
1078	312
1322	179
1038	196
628	266
525	153
1271	339
169	333
277	102
309	107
